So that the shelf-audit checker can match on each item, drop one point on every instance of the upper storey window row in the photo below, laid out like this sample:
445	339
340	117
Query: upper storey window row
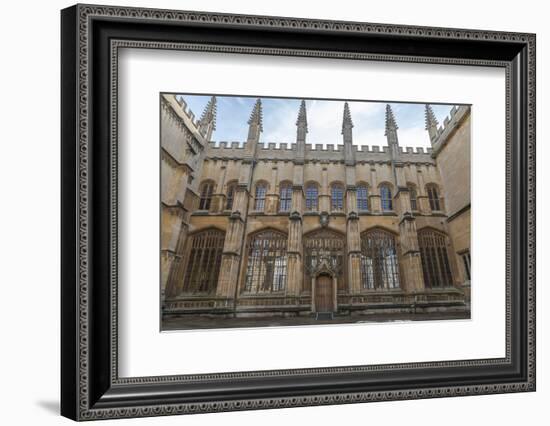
312	193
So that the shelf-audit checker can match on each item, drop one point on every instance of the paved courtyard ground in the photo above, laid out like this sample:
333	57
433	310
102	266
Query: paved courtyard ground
201	322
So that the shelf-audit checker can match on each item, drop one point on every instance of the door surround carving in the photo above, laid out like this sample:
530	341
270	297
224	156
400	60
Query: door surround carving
324	269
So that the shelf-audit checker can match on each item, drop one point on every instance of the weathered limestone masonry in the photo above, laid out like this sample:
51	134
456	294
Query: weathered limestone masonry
183	146
254	230
451	146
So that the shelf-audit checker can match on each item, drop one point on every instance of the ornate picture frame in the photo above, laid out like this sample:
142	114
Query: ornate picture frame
91	37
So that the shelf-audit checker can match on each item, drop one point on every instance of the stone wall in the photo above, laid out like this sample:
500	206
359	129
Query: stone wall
452	154
182	158
454	164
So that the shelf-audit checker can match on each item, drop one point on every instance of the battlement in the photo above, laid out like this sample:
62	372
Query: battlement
417	150
330	152
450	123
186	117
313	152
187	111
324	148
272	146
451	120
337	148
226	145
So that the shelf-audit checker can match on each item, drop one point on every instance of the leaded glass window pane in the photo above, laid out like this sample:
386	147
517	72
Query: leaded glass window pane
285	198
337	198
259	200
435	260
312	197
386	198
207	189
379	262
466	260
203	261
267	262
230	195
433	197
362	198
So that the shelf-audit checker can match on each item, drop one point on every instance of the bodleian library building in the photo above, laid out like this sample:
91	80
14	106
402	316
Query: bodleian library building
254	230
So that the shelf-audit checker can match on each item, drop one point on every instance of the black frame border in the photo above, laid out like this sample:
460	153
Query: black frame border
90	387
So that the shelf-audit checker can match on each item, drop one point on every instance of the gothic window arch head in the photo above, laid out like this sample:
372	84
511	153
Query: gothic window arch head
435	259
413	195
266	269
259	196
204	255
312	196
386	199
379	260
337	197
206	191
285	196
433	196
230	194
362	197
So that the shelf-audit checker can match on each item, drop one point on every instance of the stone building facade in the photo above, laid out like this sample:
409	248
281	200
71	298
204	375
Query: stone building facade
260	230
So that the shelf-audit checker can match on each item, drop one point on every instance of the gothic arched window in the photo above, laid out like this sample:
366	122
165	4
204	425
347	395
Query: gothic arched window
267	264
413	196
386	197
285	197
379	263
231	189
259	198
362	198
207	188
337	197
433	197
435	260
312	197
203	261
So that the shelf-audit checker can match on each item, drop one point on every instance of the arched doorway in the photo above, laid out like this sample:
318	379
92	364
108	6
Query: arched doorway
324	294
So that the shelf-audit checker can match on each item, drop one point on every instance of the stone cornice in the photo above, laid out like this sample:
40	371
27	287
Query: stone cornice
170	159
178	207
458	212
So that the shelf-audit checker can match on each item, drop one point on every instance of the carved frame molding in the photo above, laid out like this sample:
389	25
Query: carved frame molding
91	388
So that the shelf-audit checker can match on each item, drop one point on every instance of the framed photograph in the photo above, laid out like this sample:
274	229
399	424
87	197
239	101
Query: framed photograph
307	234
263	212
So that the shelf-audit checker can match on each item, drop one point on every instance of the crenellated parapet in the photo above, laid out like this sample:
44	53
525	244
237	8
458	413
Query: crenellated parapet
181	137
317	152
300	151
440	135
180	109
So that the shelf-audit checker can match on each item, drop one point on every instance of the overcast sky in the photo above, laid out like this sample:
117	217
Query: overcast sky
324	120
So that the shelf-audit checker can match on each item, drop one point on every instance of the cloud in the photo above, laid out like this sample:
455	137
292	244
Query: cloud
279	120
325	124
324	120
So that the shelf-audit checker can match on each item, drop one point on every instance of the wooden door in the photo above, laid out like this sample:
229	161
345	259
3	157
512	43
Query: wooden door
323	294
